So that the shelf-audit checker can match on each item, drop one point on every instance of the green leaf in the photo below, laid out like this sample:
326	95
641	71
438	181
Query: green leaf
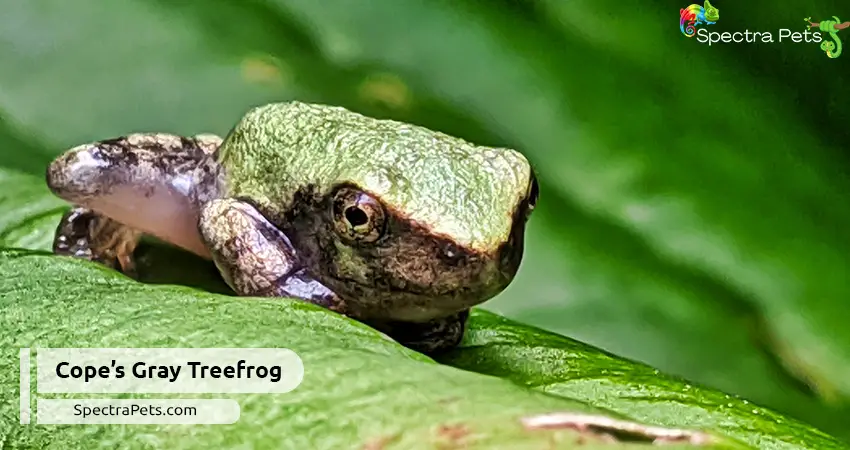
565	367
356	385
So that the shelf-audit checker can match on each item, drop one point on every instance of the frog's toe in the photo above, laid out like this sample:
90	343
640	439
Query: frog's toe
86	234
432	337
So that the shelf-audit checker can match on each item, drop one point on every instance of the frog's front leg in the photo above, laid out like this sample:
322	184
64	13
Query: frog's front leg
129	186
255	258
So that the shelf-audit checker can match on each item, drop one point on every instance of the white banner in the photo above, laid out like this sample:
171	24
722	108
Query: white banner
168	370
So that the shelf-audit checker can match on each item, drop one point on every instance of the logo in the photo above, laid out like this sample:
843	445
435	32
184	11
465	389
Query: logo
695	15
824	33
832	47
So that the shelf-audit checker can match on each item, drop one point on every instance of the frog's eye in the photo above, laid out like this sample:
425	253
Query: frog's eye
357	216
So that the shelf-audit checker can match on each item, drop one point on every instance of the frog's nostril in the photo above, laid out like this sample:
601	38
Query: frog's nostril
452	255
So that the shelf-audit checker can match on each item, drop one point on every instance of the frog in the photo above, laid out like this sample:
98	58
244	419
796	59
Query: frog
392	224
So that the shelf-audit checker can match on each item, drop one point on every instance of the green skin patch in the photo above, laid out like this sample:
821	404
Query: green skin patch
396	225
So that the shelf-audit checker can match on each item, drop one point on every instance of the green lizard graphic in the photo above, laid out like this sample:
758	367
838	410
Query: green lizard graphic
833	47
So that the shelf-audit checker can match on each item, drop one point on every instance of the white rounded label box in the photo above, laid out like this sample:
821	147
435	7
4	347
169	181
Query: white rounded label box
168	370
107	411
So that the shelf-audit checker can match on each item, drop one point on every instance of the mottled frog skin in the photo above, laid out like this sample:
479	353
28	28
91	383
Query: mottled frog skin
395	225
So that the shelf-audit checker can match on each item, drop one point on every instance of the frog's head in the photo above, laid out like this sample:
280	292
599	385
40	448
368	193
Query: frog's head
402	222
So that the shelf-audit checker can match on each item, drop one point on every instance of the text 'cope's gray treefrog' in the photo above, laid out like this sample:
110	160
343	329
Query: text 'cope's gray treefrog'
392	224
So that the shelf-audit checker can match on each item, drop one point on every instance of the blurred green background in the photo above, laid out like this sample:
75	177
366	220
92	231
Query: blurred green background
693	198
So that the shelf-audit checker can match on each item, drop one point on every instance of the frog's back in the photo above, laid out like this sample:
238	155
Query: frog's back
453	186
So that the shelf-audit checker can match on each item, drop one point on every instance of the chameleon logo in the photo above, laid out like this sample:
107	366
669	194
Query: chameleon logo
695	15
833	47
